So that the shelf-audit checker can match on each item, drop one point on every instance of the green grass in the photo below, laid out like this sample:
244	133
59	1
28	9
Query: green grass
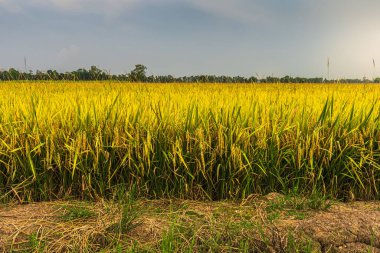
296	202
77	212
36	244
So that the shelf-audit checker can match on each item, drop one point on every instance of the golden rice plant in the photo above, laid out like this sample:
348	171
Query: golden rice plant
197	141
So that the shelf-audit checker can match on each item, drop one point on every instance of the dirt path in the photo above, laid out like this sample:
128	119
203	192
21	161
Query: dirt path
347	227
272	223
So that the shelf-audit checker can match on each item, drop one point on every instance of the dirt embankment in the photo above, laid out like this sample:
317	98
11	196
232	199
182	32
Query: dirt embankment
271	223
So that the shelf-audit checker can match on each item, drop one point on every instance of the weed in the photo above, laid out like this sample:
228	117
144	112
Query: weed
294	245
296	214
272	216
318	202
76	212
36	244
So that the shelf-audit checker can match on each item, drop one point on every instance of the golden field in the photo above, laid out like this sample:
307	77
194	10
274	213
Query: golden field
194	141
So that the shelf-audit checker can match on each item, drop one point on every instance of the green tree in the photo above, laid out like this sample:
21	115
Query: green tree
95	73
138	74
13	74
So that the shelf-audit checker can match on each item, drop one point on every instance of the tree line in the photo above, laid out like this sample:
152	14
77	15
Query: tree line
138	74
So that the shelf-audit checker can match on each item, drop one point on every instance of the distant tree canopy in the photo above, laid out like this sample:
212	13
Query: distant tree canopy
138	74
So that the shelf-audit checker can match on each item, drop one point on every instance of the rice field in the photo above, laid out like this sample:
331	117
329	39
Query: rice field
93	140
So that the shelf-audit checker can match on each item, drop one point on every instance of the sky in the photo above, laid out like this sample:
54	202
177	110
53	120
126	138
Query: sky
190	37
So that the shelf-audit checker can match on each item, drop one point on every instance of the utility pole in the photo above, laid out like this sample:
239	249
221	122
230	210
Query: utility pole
374	69
25	64
328	68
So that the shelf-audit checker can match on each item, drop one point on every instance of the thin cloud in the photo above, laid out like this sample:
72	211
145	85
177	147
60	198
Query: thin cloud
68	54
83	6
97	6
238	10
10	6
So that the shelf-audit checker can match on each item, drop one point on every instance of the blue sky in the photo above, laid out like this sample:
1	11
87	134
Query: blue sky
186	37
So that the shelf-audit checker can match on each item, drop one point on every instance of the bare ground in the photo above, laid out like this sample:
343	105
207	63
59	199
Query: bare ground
265	224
